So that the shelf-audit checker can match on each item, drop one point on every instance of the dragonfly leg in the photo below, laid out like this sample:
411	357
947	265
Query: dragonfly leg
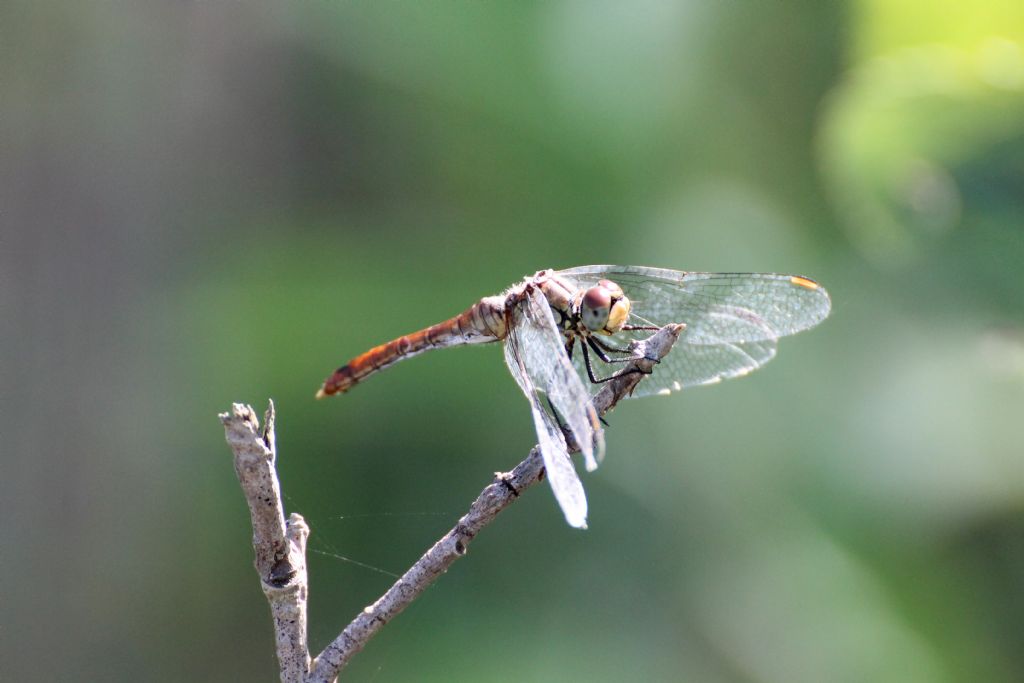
590	367
609	348
565	429
652	328
612	349
569	346
558	418
597	347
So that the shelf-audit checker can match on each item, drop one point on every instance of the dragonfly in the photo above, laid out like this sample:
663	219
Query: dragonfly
732	324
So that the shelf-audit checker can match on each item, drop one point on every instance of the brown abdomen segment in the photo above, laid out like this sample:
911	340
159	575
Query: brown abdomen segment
484	321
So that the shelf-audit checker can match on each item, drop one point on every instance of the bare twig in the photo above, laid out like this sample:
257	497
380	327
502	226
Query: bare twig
262	492
280	546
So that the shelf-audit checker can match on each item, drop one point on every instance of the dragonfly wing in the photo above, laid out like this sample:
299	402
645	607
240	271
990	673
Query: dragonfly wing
732	319
697	365
716	307
565	483
691	365
537	347
535	354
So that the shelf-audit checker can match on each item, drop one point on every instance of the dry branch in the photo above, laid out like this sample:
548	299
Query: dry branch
280	546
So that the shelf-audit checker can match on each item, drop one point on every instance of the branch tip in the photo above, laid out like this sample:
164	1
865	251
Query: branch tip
268	426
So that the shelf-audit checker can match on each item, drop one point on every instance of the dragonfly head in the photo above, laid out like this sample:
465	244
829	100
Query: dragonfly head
604	308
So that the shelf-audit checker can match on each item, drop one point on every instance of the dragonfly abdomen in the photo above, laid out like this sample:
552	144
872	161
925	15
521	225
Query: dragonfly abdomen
484	321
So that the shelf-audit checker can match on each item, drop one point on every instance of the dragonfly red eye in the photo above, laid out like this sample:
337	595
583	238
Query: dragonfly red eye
613	289
597	297
595	307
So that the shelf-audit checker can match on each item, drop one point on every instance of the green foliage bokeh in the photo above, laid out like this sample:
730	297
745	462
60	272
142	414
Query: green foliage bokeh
210	202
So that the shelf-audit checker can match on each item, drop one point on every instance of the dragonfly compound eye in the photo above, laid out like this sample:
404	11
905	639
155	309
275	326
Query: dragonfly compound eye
595	307
610	305
613	289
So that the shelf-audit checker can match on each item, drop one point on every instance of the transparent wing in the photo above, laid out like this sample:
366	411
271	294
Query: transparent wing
749	306
535	354
705	364
687	366
565	483
538	347
732	319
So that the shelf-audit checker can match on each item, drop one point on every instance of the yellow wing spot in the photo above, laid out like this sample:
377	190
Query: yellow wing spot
803	282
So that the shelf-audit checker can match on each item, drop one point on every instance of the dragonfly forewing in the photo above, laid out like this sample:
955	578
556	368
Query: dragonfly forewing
777	305
732	319
536	357
548	366
561	473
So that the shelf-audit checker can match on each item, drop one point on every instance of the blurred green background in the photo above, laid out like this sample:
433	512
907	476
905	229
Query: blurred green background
208	202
